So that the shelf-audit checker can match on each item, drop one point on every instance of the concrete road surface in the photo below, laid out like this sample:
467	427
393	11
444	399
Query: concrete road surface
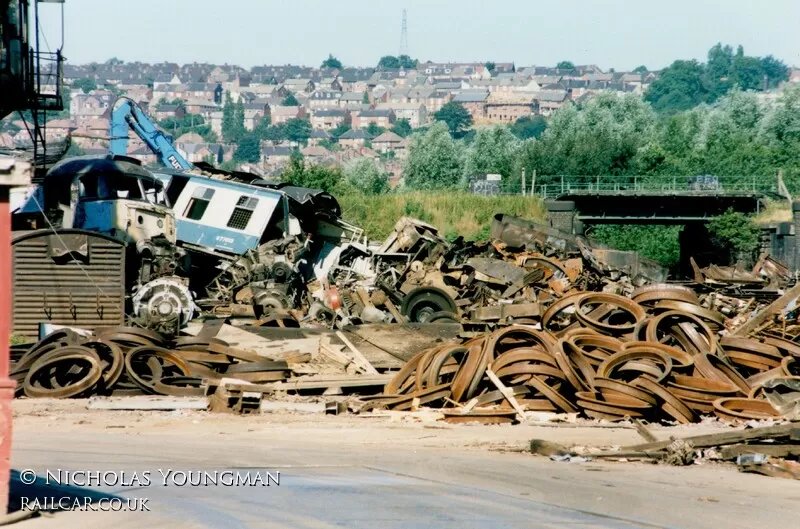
383	476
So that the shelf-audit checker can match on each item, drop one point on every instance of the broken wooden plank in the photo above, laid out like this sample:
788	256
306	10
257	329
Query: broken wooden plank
643	431
360	359
399	318
507	392
786	303
772	450
327	381
723	438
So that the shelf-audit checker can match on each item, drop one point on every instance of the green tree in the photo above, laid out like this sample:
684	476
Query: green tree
299	174
229	129
86	84
490	66
434	161
290	101
641	69
248	149
392	62
455	116
375	130
682	85
492	151
262	126
367	176
365	98
529	127
298	130
565	65
402	127
775	70
340	129
238	120
659	243
331	62
735	233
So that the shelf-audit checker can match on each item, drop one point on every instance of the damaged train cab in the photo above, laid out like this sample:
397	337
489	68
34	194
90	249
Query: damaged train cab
194	242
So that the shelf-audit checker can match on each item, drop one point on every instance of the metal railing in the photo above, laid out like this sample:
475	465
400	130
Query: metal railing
557	186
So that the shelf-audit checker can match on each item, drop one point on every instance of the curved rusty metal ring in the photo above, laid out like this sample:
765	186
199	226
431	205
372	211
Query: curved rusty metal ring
70	354
151	336
551	394
666	288
672	405
604	346
472	364
616	360
699	393
422	369
571	355
438	362
753	361
129	341
710	344
114	359
542	339
734	408
785	363
179	386
559	306
523	354
680	359
732	343
405	372
714	367
614	390
200	345
593	406
28	359
713	318
153	351
783	344
622	303
530	369
656	292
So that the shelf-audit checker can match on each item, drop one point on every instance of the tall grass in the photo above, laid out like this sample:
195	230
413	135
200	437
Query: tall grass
453	212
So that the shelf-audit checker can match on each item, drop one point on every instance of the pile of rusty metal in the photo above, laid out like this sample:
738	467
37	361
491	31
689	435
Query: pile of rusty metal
418	276
659	355
125	360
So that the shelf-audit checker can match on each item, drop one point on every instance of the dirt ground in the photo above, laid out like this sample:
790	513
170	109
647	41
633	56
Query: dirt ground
338	465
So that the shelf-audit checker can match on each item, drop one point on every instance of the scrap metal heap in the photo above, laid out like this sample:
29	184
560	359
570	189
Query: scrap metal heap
548	323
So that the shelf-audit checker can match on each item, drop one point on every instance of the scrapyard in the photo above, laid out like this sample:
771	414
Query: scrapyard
533	323
414	294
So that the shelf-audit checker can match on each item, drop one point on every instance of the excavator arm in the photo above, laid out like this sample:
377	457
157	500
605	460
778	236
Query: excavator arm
127	115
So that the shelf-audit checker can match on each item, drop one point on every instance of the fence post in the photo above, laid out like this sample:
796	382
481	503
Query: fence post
635	183
674	183
562	183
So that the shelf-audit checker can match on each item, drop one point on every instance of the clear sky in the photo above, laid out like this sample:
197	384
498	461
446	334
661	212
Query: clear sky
619	34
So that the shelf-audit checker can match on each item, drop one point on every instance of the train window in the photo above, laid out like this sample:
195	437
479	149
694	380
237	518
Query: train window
198	204
242	212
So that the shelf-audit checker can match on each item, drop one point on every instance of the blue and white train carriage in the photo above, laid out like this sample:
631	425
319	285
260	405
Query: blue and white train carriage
224	216
234	217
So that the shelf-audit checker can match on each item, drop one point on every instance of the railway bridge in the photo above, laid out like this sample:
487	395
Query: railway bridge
575	204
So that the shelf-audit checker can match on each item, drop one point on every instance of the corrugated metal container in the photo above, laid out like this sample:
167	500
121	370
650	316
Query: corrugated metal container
72	277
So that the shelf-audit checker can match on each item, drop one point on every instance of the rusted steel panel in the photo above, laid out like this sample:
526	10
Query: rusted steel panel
75	277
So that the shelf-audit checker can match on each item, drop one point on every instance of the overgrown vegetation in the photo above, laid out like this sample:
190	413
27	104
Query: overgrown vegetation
454	213
659	243
734	233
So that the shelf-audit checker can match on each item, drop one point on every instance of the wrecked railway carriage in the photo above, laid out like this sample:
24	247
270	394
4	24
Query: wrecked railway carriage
192	243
